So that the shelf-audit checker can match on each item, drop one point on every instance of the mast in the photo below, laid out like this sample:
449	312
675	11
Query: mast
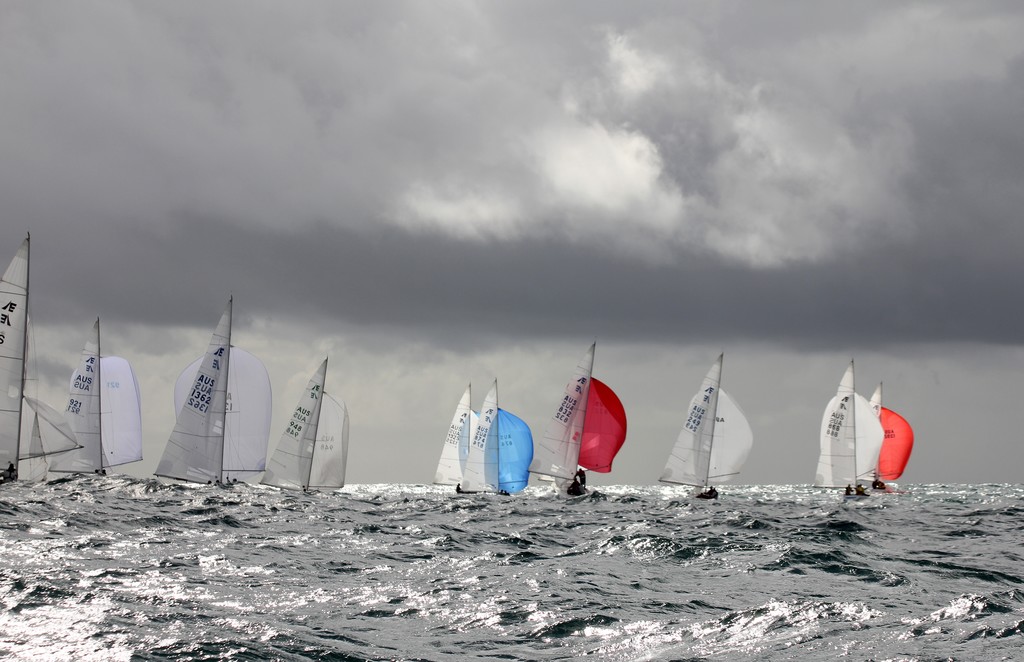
99	392
227	384
24	345
714	419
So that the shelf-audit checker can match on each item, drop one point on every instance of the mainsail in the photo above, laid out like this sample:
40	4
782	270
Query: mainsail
851	437
29	428
13	331
195	449
557	453
313	448
715	439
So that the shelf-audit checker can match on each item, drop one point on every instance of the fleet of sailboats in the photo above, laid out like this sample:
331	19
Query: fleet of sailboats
495	457
223	404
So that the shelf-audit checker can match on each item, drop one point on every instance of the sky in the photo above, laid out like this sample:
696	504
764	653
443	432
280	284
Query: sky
436	194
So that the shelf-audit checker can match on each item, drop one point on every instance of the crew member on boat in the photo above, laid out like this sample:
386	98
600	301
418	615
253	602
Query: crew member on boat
860	490
877	484
575	489
581	476
709	493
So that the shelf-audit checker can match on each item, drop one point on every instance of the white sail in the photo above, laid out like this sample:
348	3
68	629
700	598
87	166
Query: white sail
456	444
330	456
83	411
876	400
195	449
13	325
481	473
121	420
690	460
733	440
291	464
558	451
851	437
249	400
49	434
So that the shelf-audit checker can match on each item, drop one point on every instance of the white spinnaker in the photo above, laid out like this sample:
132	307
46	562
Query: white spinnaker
690	460
733	440
453	458
483	448
330	455
249	408
83	411
122	412
195	449
558	451
13	324
290	465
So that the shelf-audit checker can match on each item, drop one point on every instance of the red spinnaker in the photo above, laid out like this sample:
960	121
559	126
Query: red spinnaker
899	441
604	430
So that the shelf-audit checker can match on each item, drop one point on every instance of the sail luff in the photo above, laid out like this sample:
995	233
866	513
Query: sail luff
316	426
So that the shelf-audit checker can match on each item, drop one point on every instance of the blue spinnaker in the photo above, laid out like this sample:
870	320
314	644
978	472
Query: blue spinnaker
515	452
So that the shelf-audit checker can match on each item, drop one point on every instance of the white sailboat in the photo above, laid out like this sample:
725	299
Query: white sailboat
452	463
29	429
556	455
481	472
104	412
222	427
313	449
851	437
715	440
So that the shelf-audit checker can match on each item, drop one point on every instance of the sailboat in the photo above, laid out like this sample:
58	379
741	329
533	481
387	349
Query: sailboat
714	442
223	423
30	429
104	412
313	449
500	450
897	443
851	437
587	429
452	463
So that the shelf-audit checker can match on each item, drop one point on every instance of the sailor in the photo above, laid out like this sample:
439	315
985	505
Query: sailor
581	476
12	471
849	490
458	488
877	484
860	490
575	489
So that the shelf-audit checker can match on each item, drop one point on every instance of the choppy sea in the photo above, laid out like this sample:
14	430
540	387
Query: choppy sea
120	568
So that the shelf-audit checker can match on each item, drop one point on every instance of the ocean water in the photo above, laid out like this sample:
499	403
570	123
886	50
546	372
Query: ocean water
119	568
